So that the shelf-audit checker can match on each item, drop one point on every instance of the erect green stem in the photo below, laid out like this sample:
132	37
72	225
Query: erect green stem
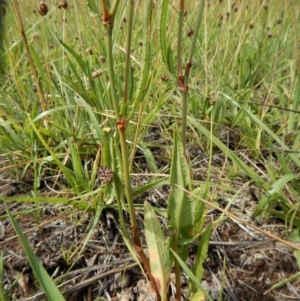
183	82
126	176
34	71
179	44
128	50
196	32
128	191
114	8
121	120
108	19
111	74
183	90
187	71
180	79
3	6
177	268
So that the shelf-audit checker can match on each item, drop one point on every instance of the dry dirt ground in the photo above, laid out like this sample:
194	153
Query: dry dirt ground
237	267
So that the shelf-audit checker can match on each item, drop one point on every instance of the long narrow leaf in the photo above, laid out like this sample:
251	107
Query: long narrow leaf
180	208
167	54
192	276
248	170
52	292
275	188
158	252
92	8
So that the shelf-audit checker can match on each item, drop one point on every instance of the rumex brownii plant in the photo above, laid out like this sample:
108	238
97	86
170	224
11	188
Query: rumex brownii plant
101	108
121	118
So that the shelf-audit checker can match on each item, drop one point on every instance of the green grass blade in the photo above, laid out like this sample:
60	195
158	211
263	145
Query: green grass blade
149	157
263	126
94	223
82	205
192	277
51	291
284	282
40	68
150	185
77	57
167	54
143	84
248	171
272	192
64	169
92	8
110	160
293	116
201	256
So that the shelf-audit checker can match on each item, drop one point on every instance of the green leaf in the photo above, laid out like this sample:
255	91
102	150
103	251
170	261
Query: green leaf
158	252
272	192
192	277
294	116
180	206
82	205
296	238
51	290
166	51
145	78
111	160
92	8
149	157
94	223
76	56
244	167
198	296
264	127
201	256
150	185
69	176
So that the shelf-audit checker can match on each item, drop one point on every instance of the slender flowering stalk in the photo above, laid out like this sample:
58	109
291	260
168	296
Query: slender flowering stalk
121	118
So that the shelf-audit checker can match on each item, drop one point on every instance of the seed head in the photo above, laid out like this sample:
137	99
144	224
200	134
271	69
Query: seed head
190	32
97	73
220	17
43	9
63	4
101	59
165	78
89	50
